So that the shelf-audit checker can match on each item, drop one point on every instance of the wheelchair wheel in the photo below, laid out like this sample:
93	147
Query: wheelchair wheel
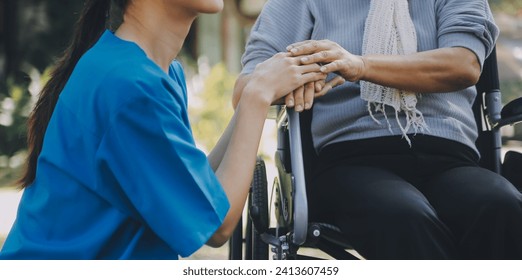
235	244
257	222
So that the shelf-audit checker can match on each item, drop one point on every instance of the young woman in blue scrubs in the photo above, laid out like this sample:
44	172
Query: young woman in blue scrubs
113	171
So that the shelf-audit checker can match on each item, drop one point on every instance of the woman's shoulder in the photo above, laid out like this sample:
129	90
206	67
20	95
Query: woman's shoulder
114	73
124	75
113	59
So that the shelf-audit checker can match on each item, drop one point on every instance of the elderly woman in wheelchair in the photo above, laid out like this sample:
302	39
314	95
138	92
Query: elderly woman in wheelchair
397	160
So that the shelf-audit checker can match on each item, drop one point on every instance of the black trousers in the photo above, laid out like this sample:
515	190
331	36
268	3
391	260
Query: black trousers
428	201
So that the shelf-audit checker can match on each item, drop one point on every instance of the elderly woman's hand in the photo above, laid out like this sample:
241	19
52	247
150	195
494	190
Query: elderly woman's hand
331	56
303	97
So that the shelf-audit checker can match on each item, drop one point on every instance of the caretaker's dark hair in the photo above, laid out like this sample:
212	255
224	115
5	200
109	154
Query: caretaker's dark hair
93	21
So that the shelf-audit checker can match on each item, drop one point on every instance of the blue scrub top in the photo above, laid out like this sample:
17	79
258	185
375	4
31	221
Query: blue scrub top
119	175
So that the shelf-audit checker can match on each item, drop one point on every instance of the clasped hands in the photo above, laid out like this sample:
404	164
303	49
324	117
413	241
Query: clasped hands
332	58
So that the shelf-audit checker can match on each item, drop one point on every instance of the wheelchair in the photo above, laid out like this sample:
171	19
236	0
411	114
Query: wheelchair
295	158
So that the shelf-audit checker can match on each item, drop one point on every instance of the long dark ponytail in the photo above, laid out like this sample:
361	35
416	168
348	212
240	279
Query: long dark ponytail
91	24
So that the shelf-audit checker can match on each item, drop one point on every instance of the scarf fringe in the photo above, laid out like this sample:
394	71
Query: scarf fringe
414	120
390	30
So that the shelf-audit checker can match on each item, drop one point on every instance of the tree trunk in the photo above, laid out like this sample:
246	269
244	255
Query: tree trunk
10	36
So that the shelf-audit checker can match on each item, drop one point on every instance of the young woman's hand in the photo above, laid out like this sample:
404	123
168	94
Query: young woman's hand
282	74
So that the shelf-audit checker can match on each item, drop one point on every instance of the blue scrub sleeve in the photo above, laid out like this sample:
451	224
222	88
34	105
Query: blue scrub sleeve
149	150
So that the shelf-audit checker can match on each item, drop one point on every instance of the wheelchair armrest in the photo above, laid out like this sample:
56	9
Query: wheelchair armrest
511	113
300	200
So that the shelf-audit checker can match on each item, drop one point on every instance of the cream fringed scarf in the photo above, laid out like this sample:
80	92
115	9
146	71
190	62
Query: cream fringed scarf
390	30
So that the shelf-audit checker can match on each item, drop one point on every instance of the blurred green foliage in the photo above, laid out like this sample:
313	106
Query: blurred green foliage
13	115
511	89
512	7
16	102
211	109
14	105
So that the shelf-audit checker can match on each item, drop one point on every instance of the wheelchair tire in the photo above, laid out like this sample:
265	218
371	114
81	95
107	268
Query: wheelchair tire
257	222
235	244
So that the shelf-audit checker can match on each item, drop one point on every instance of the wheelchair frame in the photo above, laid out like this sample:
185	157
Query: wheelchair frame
294	157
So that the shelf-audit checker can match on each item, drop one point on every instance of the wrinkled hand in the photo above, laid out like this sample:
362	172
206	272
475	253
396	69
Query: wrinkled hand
303	97
331	56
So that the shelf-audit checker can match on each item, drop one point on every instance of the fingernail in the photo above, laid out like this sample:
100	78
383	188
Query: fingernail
322	69
299	108
307	106
290	103
289	48
305	59
293	50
